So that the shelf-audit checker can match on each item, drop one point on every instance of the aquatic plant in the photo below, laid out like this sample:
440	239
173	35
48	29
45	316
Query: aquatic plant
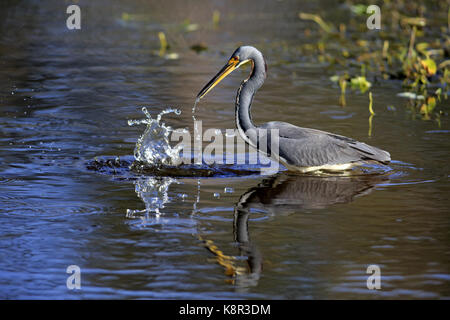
412	48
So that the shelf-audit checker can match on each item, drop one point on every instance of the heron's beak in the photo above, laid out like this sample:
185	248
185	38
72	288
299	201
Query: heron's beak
232	65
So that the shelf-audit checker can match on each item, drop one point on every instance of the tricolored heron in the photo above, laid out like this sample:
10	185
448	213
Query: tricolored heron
299	149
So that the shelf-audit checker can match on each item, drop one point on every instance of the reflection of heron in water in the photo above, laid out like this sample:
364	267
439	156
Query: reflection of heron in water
298	149
284	194
277	195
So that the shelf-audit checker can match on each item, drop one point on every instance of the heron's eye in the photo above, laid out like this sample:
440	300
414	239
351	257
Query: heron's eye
234	60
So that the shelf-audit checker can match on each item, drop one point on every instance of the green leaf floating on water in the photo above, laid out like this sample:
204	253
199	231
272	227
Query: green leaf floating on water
360	83
359	9
410	95
189	27
334	78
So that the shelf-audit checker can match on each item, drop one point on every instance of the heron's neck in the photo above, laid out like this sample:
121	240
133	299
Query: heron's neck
244	100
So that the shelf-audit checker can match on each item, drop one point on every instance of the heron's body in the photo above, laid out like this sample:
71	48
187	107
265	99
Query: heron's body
297	148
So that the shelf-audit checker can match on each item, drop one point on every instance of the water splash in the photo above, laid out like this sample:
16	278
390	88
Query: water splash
196	142
153	191
228	190
194	108
153	146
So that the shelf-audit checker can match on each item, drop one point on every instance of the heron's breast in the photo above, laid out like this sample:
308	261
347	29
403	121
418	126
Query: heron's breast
325	167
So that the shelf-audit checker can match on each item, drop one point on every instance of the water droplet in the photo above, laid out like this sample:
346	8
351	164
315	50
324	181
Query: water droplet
195	105
182	195
228	190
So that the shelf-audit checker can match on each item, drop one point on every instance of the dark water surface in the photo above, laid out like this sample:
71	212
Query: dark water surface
66	97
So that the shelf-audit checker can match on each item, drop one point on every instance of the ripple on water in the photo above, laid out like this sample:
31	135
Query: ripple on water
338	114
167	223
437	131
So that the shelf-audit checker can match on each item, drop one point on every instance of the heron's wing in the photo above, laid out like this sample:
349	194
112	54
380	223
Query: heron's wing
306	147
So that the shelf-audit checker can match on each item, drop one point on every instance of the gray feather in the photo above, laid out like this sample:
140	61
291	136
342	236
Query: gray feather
306	147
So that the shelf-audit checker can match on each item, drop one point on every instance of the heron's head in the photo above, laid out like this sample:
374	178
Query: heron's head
241	56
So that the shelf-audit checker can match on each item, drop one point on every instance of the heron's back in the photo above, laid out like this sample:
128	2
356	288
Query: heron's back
304	147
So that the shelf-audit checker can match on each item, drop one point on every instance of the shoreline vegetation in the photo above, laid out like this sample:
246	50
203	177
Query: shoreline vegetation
412	48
